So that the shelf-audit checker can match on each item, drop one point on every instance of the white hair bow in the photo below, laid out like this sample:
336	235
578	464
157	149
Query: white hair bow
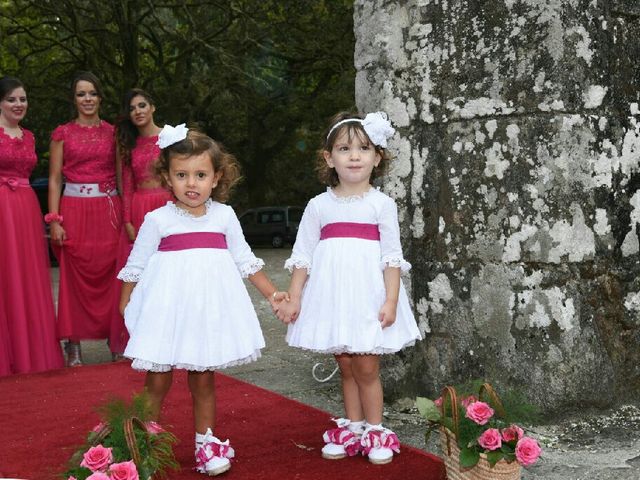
170	135
378	128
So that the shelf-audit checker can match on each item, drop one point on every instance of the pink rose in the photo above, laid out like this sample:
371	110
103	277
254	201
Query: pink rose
527	451
153	427
438	401
490	439
97	459
124	471
479	412
512	433
98	476
72	478
466	401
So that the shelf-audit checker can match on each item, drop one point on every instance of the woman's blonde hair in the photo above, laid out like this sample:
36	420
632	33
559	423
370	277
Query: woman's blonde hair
197	143
328	175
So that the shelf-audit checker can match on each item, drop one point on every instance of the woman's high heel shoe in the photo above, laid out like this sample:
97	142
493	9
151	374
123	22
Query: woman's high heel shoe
74	354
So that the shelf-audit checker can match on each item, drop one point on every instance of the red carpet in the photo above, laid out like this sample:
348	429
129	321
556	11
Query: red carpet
45	416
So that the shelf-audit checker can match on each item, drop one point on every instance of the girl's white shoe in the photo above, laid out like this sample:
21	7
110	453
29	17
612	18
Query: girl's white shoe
342	441
212	455
379	443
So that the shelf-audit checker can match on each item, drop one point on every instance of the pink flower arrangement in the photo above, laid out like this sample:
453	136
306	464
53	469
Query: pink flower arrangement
99	460
482	427
98	476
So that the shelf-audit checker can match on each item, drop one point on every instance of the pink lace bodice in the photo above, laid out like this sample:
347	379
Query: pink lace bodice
88	152
139	171
17	155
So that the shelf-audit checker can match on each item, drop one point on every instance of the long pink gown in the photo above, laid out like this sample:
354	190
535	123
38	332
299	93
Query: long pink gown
92	225
28	339
137	202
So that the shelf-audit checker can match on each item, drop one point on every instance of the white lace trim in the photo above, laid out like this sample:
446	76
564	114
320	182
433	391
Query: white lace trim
147	366
183	213
395	262
251	268
346	349
351	198
299	263
130	276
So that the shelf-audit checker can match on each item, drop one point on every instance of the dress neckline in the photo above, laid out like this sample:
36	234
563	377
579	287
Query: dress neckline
183	213
21	138
351	198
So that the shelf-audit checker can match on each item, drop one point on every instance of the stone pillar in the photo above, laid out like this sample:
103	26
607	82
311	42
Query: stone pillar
517	175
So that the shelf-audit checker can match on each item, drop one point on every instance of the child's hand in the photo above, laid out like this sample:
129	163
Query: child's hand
288	311
387	314
277	298
123	304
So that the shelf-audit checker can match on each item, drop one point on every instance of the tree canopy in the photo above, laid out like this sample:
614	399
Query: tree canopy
262	76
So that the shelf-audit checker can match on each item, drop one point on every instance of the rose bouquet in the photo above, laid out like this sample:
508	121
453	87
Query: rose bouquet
480	433
125	445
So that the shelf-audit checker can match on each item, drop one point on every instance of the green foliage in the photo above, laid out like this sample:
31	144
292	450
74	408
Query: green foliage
262	76
156	449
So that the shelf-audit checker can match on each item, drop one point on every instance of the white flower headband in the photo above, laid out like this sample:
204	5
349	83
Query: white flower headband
170	135
376	125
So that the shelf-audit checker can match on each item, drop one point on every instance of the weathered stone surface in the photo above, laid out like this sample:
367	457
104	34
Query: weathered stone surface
517	157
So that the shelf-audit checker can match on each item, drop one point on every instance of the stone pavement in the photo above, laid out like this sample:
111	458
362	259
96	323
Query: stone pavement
581	445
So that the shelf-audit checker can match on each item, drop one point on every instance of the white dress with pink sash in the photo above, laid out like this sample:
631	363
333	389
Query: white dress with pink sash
190	308
345	244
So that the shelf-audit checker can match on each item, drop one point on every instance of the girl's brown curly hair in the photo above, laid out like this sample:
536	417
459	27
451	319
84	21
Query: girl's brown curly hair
195	144
328	175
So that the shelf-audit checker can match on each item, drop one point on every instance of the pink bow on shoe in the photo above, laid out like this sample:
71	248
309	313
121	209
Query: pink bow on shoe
380	438
343	436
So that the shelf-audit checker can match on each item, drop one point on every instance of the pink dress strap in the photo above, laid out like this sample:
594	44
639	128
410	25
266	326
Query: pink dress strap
186	241
366	231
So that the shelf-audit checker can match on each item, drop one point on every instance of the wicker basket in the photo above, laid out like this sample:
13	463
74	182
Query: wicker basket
502	470
482	471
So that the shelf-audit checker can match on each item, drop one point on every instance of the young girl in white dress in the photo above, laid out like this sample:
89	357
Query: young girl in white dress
189	308
346	296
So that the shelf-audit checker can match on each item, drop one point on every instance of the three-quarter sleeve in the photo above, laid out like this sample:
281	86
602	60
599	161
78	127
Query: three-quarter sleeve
127	192
307	239
245	260
390	246
146	244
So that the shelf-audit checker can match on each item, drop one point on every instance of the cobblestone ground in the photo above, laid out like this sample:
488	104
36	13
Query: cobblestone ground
581	445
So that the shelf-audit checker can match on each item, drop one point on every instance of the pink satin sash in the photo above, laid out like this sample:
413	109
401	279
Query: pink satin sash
366	231
14	182
185	241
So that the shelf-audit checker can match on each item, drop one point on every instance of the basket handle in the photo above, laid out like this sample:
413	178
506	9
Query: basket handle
491	393
130	437
449	392
101	434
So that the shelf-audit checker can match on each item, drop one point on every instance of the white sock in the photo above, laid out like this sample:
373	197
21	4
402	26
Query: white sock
374	427
356	427
200	438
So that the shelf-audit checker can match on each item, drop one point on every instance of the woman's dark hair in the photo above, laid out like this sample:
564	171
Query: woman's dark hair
328	175
8	85
197	143
126	132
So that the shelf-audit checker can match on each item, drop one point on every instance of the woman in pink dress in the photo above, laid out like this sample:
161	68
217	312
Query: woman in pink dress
142	191
28	339
85	219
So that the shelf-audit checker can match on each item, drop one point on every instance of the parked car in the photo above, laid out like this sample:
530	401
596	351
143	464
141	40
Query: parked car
275	226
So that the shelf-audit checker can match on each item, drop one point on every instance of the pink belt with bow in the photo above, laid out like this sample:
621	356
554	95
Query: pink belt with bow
13	182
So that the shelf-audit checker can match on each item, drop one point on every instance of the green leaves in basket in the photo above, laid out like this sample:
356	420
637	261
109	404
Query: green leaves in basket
494	457
428	409
469	457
